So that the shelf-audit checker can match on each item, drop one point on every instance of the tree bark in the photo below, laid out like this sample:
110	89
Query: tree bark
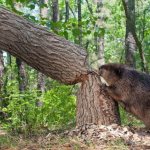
40	76
61	60
96	107
21	66
53	55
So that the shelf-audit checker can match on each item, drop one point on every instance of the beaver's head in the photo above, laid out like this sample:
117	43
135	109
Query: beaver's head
111	73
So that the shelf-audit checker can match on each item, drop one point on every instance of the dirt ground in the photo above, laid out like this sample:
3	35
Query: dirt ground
89	137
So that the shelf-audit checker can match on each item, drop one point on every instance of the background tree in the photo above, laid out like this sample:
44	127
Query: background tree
131	39
1	70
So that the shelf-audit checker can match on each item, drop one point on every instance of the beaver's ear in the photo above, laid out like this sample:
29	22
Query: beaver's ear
119	72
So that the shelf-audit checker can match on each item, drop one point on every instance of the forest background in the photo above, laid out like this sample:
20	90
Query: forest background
30	102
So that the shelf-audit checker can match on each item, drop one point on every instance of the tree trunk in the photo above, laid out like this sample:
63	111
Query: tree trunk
21	75
1	70
94	106
41	82
59	59
131	39
79	23
67	10
67	14
100	38
130	43
55	13
40	76
53	55
43	10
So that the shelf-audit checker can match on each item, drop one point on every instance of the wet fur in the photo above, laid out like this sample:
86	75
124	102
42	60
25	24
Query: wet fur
130	87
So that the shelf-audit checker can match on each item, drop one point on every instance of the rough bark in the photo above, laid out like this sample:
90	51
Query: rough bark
44	51
61	60
40	76
95	107
66	14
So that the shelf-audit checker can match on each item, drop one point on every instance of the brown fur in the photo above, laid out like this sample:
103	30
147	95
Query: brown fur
130	87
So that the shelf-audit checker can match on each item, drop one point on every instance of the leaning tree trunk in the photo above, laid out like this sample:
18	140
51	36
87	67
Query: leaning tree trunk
59	59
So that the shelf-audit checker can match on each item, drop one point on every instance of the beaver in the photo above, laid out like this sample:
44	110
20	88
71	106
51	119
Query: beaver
129	87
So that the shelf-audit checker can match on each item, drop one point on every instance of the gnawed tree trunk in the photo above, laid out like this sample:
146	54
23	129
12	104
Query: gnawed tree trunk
59	59
93	103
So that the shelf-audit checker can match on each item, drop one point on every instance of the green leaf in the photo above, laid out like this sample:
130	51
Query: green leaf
31	6
66	34
9	2
76	32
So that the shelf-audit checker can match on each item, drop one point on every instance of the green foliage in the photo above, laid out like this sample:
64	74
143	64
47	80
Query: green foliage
22	111
27	112
58	106
128	119
7	141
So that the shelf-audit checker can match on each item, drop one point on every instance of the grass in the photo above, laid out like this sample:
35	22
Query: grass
117	144
18	141
7	141
57	143
129	120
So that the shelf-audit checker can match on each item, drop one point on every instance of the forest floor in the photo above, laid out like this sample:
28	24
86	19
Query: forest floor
89	137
